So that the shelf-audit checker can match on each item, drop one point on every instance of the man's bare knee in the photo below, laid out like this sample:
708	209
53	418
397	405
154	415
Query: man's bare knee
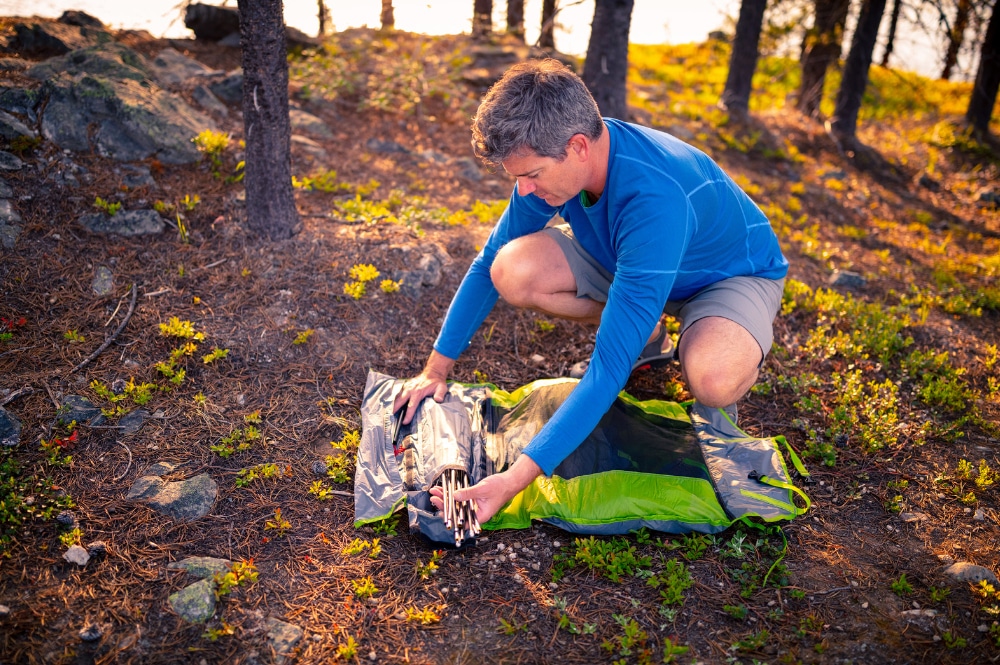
513	275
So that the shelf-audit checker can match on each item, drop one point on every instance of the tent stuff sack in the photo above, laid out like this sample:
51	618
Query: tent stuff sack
669	467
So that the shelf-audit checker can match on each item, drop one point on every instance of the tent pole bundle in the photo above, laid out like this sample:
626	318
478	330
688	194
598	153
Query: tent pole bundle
459	516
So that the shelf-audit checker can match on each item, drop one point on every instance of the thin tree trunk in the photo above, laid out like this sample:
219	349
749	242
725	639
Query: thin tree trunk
270	200
546	38
324	18
844	122
984	90
743	59
606	65
515	19
897	7
387	18
821	48
955	37
482	18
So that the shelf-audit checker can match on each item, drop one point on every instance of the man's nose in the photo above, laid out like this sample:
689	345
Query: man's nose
525	187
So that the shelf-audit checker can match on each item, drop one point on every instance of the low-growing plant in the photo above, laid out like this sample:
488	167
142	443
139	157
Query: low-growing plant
213	634
216	354
738	612
672	582
425	617
111	209
70	538
241	573
752	642
264	471
364	588
425	570
278	524
340	466
348	650
320	491
612	558
901	586
303	337
509	628
73	337
24	497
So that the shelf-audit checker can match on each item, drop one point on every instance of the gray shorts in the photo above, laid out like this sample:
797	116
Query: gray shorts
752	302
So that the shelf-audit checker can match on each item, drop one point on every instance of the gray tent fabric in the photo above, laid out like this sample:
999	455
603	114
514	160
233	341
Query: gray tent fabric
668	467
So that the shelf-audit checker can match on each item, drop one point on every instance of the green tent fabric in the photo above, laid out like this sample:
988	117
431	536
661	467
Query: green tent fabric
669	467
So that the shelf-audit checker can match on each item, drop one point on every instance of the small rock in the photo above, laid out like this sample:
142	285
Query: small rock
979	515
91	633
80	409
66	518
195	603
127	223
10	429
378	145
7	213
4	611
969	572
205	567
9	162
847	279
77	555
912	517
282	638
103	282
97	548
537	359
983	628
864	605
318	467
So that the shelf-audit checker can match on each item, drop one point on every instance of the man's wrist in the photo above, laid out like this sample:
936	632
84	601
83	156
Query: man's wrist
438	366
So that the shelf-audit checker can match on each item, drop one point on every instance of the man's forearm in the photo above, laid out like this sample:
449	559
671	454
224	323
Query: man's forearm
438	366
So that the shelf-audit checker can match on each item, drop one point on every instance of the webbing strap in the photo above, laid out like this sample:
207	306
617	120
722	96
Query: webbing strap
796	462
767	480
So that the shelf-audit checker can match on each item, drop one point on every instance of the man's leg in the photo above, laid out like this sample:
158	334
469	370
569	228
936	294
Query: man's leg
532	271
719	360
727	330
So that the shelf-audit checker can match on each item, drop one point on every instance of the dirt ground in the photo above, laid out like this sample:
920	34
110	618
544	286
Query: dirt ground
496	602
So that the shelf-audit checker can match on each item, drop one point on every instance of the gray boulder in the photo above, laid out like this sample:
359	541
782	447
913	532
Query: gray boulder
282	637
10	429
20	101
173	69
182	500
102	99
12	128
128	223
40	37
195	603
204	567
10	224
229	89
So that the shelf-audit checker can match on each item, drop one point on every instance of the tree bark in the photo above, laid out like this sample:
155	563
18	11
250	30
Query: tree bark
844	122
890	39
388	18
546	38
482	18
984	90
324	18
515	19
606	65
270	200
743	59
821	48
956	35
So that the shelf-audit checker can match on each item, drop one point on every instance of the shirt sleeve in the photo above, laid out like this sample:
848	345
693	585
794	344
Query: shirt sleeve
645	270
476	295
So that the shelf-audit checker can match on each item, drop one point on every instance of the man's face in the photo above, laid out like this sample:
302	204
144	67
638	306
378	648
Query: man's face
551	180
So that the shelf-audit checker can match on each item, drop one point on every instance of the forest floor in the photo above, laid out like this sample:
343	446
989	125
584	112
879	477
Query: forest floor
863	578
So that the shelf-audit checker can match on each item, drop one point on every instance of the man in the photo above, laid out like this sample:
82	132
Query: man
654	225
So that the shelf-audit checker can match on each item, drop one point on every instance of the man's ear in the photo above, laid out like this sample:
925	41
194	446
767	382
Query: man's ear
579	146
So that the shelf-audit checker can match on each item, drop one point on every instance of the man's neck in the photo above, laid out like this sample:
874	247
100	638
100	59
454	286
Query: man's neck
600	150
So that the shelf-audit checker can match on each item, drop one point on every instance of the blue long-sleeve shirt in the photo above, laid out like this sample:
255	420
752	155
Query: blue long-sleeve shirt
668	223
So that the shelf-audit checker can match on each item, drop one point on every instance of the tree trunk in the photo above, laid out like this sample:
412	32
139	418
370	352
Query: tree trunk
984	91
821	48
482	18
606	65
270	201
388	18
324	18
897	7
955	37
844	122
743	59
546	38
515	19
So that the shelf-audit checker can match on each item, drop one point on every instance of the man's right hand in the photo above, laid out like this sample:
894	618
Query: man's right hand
431	382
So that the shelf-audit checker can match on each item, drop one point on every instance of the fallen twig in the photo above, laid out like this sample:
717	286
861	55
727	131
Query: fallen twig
127	466
27	390
114	335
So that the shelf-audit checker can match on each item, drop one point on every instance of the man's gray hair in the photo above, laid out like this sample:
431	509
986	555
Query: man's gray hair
537	105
